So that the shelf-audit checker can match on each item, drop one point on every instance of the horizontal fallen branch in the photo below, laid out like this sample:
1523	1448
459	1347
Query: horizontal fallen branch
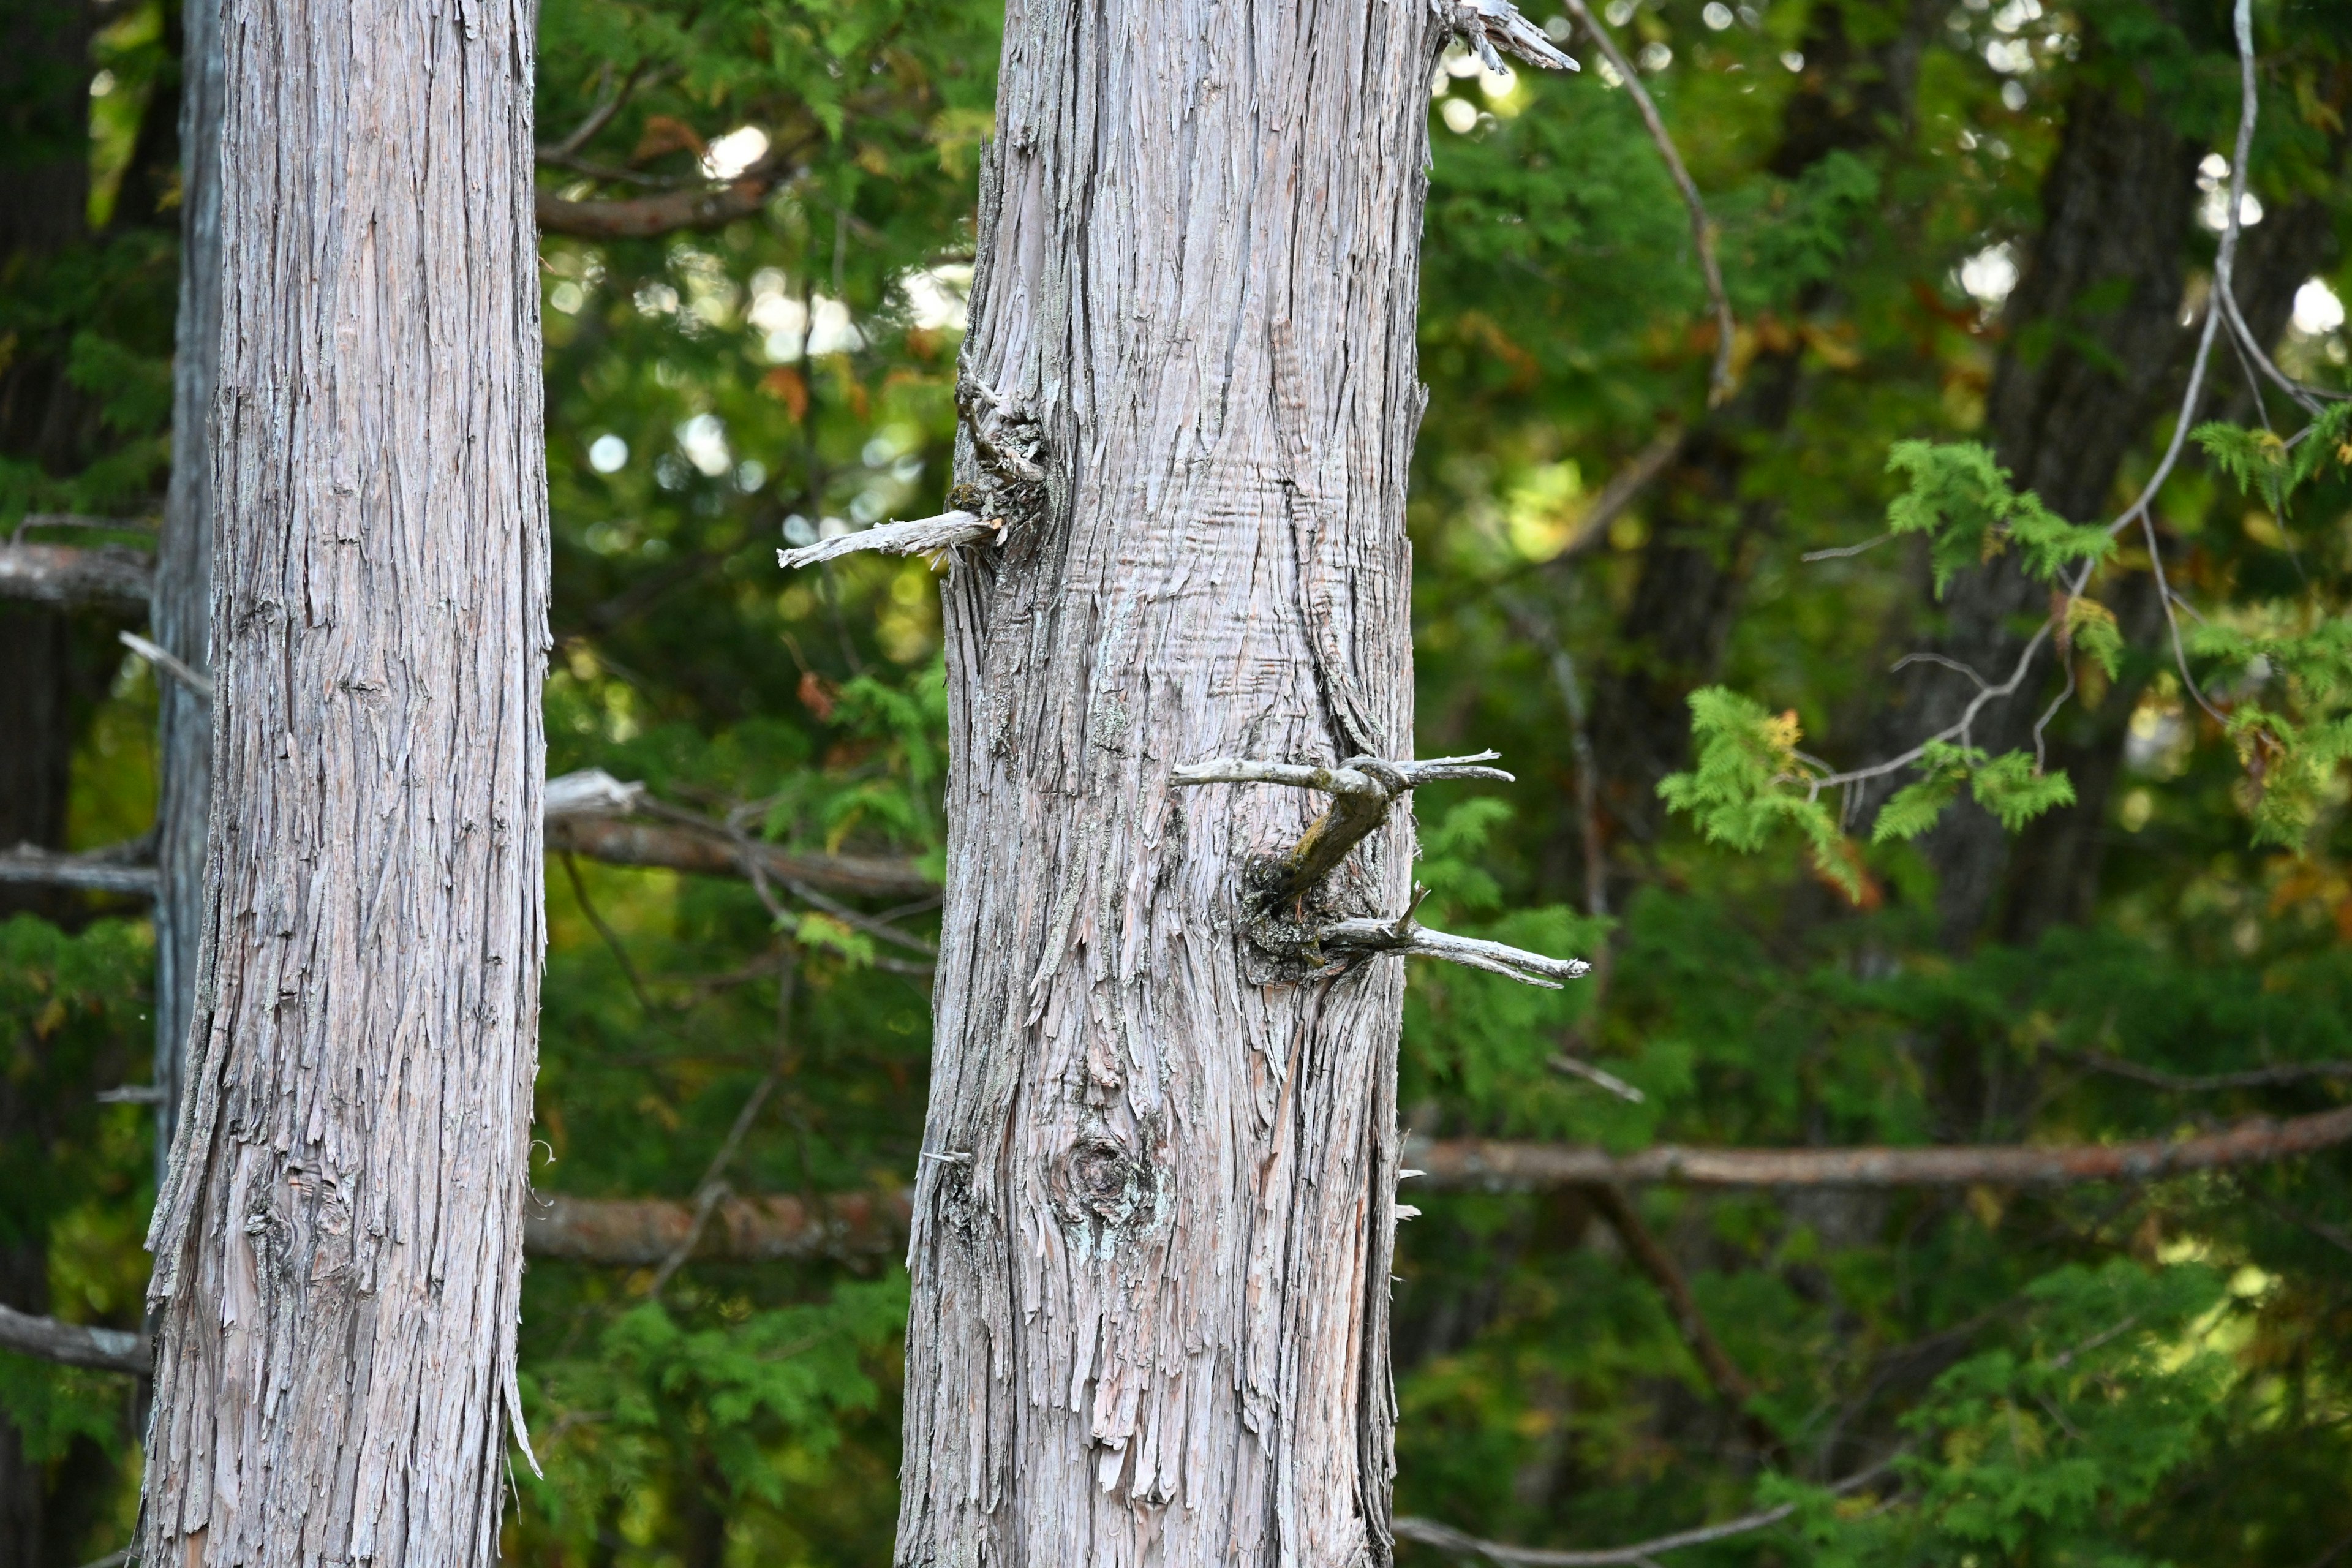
588	814
619	840
111	575
644	1232
920	537
105	1350
647	217
1477	1165
864	1225
98	871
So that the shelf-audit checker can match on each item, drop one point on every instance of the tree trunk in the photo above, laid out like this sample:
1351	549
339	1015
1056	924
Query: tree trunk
180	612
339	1241
1155	1215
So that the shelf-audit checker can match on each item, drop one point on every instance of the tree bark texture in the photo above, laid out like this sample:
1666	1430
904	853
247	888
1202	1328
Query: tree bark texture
339	1240
1154	1220
180	610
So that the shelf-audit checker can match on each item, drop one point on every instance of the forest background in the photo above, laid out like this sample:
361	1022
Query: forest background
1939	223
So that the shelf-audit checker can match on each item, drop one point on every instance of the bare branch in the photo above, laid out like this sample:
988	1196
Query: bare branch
111	575
1845	551
1444	1537
123	870
104	1350
1489	24
1355	776
1482	1165
1732	1388
647	217
920	537
1624	487
1407	939
589	791
1577	1066
170	663
2177	1083
685	844
1363	790
32	520
643	1232
1719	384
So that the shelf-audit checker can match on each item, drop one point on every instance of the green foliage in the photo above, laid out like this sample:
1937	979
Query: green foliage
2267	464
1749	782
1960	498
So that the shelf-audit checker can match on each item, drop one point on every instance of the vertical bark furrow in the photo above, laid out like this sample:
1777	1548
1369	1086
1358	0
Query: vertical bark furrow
1153	1227
339	1243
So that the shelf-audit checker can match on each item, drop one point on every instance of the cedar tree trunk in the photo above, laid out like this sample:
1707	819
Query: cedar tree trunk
338	1245
1153	1224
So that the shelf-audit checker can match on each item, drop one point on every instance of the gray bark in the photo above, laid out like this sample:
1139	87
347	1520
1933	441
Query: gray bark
180	606
339	1240
1153	1224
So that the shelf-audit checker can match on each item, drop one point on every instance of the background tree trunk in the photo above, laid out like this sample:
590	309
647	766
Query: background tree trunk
181	613
339	1241
1155	1218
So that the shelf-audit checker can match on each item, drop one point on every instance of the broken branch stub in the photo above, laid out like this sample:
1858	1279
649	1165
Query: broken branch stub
1489	24
1362	791
920	537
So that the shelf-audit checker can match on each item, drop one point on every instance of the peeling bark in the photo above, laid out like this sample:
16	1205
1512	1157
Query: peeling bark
339	1241
1154	1219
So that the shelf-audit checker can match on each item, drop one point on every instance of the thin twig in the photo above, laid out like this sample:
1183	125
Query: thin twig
170	663
612	938
1719	379
713	1188
2177	1083
1444	1537
1577	1066
1731	1386
1845	551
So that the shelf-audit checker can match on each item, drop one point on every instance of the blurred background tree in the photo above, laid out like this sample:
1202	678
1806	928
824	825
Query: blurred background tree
1943	223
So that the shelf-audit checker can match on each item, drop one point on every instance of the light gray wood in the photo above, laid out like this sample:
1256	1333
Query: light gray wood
339	1240
1154	1220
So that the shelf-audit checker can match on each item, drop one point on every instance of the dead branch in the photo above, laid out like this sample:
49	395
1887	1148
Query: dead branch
644	1232
125	869
1446	1538
920	537
588	814
104	1350
1480	1164
647	217
2207	1083
1719	382
170	663
1732	1388
1362	789
111	575
617	838
1405	938
1489	24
